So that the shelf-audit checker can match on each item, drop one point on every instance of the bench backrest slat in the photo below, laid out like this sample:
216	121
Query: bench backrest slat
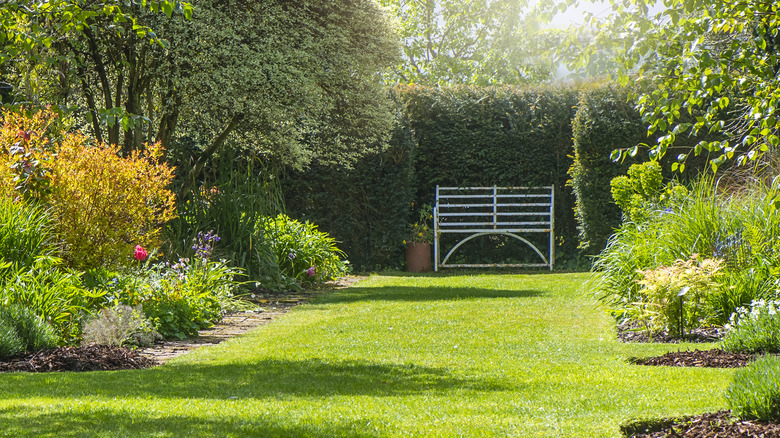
494	210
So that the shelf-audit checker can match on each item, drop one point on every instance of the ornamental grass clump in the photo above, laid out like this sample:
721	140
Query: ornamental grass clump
754	394
755	329
26	232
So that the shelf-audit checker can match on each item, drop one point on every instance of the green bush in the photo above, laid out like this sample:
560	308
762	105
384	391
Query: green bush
53	293
754	394
303	253
21	331
755	329
642	193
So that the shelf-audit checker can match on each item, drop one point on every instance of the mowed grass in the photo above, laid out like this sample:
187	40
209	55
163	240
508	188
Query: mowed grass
483	355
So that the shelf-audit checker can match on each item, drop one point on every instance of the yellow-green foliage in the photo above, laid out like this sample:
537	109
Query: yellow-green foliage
26	155
105	205
674	297
643	191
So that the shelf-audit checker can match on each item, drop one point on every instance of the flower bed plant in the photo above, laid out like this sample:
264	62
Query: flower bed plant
754	329
736	232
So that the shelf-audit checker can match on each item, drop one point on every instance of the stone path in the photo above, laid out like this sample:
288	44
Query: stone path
231	325
236	324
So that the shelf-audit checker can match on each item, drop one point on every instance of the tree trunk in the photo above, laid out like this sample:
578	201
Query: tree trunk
197	169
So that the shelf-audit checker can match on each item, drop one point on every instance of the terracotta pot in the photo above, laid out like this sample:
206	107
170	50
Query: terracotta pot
418	257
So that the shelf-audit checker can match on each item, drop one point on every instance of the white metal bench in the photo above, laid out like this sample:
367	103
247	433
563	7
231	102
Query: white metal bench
482	211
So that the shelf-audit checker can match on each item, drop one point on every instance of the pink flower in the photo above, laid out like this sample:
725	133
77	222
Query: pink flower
311	271
140	253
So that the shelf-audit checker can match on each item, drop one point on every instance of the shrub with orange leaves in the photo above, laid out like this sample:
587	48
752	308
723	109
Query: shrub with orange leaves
26	155
104	205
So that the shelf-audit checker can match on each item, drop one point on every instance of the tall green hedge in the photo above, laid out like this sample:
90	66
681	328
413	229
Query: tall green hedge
468	136
366	208
463	136
606	120
504	136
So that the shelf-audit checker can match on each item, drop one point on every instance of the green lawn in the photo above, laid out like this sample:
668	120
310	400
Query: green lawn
492	355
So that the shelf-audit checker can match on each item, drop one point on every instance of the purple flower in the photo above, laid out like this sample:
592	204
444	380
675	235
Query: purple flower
291	255
311	271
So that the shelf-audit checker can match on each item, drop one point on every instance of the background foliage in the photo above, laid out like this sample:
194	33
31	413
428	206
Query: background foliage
448	136
475	42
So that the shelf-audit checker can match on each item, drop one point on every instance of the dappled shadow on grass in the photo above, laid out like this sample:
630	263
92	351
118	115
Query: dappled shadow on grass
421	293
258	380
23	421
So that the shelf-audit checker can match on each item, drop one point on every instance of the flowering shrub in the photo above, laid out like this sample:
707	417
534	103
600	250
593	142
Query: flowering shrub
674	297
755	329
303	253
421	231
105	204
180	298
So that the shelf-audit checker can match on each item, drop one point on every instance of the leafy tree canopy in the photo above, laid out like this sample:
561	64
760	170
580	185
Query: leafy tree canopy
716	60
480	42
290	79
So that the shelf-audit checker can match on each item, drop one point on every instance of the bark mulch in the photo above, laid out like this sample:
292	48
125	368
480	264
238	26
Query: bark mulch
628	331
87	358
109	358
714	358
710	425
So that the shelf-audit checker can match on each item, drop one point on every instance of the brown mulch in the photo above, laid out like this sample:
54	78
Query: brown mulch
628	331
714	358
87	358
107	358
710	425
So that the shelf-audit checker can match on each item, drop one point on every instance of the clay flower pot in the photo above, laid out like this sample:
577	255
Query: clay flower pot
418	257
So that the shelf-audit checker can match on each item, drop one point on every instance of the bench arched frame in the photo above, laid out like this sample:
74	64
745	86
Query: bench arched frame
512	203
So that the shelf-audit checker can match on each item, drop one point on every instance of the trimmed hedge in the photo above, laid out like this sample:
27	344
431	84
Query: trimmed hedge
466	136
504	136
606	121
470	136
365	208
